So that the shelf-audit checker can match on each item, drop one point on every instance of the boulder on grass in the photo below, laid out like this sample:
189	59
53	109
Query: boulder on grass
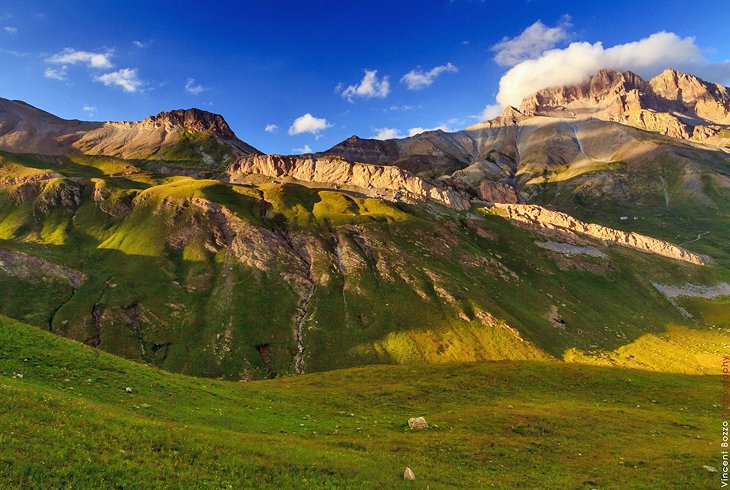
417	423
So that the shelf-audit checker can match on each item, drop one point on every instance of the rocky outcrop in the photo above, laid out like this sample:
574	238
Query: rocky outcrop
608	90
694	290
708	101
417	423
541	218
194	120
383	181
672	103
36	269
491	191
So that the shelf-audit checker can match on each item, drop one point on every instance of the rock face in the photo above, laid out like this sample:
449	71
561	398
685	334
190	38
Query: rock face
491	191
672	103
373	180
692	95
192	120
541	218
26	129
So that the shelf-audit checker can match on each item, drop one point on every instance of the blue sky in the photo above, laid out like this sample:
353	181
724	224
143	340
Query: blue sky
268	63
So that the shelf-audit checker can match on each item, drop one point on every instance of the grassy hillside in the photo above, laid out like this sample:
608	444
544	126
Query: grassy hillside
682	198
259	280
69	422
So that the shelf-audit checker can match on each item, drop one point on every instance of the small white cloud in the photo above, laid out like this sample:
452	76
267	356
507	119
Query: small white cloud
370	86
531	42
308	124
403	107
70	56
271	128
90	110
417	79
194	88
53	74
386	134
301	151
126	78
141	44
17	54
415	131
10	30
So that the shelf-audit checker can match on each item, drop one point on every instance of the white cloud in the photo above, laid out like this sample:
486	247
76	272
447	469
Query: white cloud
141	44
10	30
403	107
300	151
575	63
531	42
390	133
417	79
386	134
90	110
126	78
415	131
192	88
70	56
370	86
54	74
490	112
271	128
308	124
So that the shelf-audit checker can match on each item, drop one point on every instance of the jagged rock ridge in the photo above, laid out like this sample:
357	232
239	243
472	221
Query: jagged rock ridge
382	181
672	103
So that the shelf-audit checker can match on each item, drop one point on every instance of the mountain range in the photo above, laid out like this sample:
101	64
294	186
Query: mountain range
588	225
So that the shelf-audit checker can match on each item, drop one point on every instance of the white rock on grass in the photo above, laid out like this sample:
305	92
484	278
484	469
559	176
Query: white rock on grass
408	474
417	423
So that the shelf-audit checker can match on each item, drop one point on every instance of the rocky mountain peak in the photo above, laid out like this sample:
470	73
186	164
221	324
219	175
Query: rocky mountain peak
607	78
195	120
672	103
510	115
691	94
606	87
